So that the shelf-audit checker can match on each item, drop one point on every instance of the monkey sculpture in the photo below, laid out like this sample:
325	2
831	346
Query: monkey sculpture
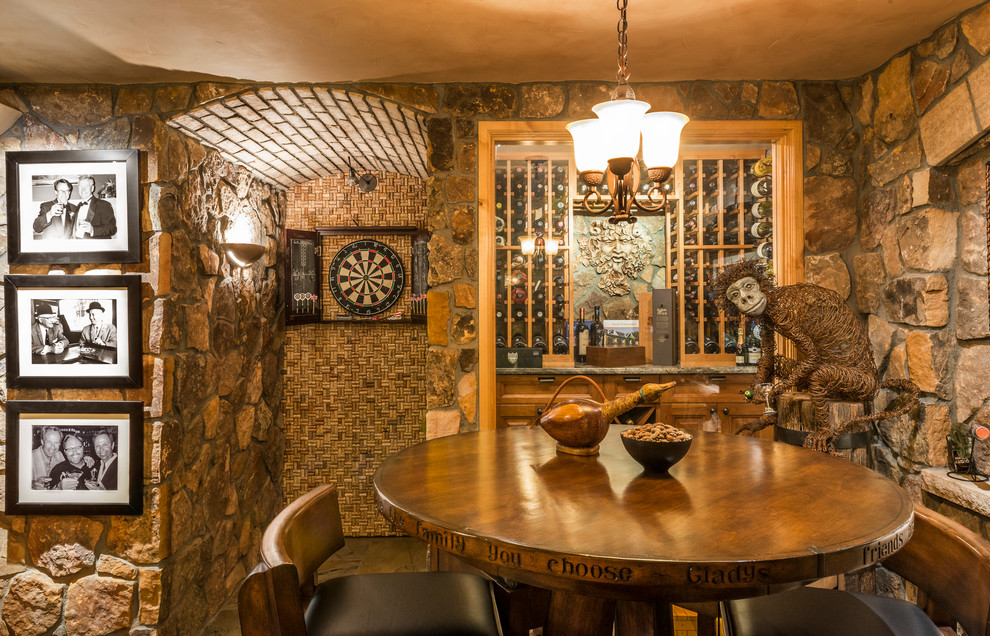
835	361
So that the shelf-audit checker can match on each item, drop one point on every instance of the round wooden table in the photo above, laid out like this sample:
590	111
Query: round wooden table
736	517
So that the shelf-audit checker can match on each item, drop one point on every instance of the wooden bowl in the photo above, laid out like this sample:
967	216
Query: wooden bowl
656	457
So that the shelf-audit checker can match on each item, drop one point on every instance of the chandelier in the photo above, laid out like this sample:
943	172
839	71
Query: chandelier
606	148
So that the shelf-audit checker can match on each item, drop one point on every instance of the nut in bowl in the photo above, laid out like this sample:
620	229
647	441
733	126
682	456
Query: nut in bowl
656	447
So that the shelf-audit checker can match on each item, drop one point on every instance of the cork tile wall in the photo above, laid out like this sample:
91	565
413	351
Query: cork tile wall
355	393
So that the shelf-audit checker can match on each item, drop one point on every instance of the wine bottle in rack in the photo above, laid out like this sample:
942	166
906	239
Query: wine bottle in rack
765	250
763	167
711	346
761	187
762	209
519	340
500	342
558	281
730	343
519	313
540	343
581	339
560	341
558	261
761	230
596	335
690	346
519	295
538	313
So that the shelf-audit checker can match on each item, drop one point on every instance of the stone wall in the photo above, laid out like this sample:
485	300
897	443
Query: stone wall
919	259
355	393
212	351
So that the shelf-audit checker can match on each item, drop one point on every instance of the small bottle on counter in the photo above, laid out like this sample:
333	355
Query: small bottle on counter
596	335
581	339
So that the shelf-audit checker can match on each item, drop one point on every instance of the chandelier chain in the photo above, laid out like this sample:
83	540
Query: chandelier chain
623	74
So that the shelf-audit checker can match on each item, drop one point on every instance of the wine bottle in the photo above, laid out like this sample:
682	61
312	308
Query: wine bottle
761	187
765	250
710	345
518	295
581	339
753	350
690	346
540	343
596	335
761	230
500	342
560	341
763	167
741	345
518	340
730	343
762	209
519	314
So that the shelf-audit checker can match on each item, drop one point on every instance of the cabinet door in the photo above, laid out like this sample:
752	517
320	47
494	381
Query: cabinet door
516	414
734	415
694	416
537	389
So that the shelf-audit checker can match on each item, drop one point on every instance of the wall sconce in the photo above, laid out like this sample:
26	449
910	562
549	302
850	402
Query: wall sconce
242	236
527	243
530	245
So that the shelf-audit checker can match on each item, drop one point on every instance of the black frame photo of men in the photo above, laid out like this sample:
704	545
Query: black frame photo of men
74	457
73	206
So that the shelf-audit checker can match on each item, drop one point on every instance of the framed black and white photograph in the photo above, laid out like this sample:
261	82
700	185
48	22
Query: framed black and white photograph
73	331
74	458
73	206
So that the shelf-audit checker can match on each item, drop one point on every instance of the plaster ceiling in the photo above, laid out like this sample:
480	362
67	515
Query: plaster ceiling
319	41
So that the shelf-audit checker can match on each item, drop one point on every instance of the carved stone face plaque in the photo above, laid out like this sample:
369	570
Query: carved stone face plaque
620	252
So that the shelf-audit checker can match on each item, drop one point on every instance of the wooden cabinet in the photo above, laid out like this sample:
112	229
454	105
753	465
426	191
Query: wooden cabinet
698	402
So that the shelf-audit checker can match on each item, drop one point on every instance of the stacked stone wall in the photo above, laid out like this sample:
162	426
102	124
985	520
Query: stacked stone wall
212	353
919	266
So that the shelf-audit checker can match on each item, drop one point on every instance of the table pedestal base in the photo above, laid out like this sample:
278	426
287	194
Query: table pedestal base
578	615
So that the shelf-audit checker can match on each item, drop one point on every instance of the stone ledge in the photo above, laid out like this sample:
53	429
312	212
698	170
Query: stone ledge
969	495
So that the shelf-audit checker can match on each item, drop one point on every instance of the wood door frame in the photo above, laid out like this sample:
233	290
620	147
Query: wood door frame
786	141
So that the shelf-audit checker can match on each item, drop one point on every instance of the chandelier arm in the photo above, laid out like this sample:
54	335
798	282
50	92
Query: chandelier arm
652	204
598	200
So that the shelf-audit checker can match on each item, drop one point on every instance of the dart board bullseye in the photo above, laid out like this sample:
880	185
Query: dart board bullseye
366	277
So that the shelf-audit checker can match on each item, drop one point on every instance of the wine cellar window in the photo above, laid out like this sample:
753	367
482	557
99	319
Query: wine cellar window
726	216
532	283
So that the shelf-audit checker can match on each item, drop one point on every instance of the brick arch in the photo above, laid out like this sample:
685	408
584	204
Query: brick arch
292	134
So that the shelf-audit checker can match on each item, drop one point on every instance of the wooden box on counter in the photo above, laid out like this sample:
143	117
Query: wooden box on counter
616	356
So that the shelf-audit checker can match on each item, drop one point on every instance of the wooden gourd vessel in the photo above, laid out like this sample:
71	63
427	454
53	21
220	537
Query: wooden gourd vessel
580	424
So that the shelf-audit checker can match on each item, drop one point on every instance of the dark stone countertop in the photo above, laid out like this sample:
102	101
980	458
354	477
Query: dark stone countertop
645	369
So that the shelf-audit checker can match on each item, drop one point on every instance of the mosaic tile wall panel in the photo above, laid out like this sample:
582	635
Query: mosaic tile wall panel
354	393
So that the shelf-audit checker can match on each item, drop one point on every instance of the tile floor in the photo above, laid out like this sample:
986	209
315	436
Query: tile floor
361	555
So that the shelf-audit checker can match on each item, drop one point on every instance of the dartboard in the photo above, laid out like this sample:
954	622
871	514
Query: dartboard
366	277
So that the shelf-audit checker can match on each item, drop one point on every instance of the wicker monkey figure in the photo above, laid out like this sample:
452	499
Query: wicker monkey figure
835	360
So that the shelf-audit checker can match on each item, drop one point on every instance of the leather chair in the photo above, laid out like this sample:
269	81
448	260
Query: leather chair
278	597
948	563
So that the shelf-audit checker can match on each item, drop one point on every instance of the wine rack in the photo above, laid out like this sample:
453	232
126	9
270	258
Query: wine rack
725	217
532	291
